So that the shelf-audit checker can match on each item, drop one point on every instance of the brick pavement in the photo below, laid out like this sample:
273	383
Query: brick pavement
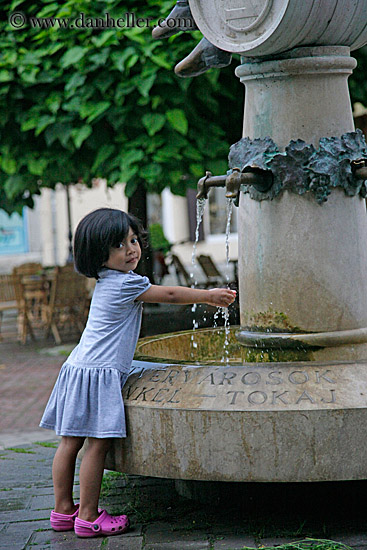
26	379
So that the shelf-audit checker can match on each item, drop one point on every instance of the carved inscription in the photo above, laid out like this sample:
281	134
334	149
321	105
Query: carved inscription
303	387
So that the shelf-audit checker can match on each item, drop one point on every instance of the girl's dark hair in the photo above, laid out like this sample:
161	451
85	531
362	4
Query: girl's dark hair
97	233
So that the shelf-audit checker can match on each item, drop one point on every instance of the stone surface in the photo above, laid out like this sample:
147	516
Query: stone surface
234	542
295	255
66	541
278	541
116	543
267	27
243	423
178	545
163	533
221	523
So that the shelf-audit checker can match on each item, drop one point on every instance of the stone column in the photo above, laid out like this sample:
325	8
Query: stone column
302	266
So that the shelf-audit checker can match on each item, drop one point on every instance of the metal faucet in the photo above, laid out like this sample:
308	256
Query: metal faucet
262	180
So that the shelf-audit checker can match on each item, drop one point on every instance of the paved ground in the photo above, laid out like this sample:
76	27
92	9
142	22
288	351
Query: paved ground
223	516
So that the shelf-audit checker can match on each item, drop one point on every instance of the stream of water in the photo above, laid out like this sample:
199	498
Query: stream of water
221	311
225	310
200	208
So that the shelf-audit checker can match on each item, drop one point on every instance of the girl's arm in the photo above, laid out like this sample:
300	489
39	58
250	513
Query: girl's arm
220	297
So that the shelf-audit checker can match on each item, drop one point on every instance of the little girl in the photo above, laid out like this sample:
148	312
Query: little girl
87	400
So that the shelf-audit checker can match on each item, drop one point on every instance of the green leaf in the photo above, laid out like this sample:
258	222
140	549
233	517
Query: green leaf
130	157
197	170
192	153
43	122
104	37
123	89
103	154
119	58
36	167
53	102
178	120
74	105
218	166
29	123
9	165
156	100
150	172
8	58
127	172
145	85
15	4
75	82
4	90
6	76
93	110
14	186
29	75
130	187
49	10
99	58
132	61
154	143
161	61
30	58
60	131
80	134
72	56
153	122
104	82
166	153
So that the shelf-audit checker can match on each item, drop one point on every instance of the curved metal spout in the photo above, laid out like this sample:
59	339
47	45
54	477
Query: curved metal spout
262	180
208	181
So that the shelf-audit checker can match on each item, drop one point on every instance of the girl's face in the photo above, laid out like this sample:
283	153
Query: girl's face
126	257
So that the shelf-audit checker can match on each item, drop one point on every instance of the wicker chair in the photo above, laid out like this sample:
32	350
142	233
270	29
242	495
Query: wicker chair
31	291
7	296
30	268
68	302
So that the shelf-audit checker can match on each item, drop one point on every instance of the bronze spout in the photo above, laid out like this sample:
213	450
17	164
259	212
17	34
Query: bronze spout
262	180
208	181
233	183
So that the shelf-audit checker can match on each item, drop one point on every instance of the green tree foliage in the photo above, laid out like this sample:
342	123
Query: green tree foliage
79	103
358	81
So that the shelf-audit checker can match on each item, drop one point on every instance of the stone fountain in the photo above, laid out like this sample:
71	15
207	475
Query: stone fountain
291	402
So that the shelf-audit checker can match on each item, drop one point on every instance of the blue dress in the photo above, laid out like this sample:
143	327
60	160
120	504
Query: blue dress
86	400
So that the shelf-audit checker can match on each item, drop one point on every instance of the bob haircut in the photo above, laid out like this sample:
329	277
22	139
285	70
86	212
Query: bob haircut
97	233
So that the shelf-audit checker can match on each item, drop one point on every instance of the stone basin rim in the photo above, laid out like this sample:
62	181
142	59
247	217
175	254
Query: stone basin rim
251	339
309	339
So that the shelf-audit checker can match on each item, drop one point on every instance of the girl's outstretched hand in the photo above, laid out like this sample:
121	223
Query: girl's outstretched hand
221	297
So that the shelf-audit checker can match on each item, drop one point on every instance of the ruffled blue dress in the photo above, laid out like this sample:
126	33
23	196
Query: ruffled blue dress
86	400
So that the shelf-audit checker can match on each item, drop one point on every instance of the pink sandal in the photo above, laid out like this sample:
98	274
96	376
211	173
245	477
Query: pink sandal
103	525
63	522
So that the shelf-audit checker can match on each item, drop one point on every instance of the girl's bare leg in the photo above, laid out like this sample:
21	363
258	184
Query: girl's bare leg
63	470
90	477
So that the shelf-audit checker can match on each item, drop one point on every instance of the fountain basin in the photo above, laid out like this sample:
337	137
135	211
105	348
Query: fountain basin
201	418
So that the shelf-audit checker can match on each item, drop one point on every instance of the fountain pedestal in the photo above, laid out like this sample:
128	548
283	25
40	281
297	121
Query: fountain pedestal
201	420
292	408
303	266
